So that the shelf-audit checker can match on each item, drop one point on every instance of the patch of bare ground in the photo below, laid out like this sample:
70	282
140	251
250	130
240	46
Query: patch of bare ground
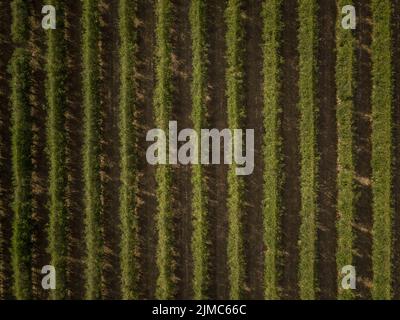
253	218
109	53
218	221
74	128
40	213
182	108
5	153
291	153
396	142
363	128
327	149
147	205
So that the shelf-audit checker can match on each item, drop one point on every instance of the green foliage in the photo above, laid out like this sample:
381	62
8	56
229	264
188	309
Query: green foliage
382	152
20	25
21	154
272	145
345	45
163	105
56	145
91	151
128	189
309	160
234	78
200	242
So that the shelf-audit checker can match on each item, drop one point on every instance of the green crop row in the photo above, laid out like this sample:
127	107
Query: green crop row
345	45
382	152
56	146
234	78
272	145
199	201
128	189
308	119
163	106
91	149
21	153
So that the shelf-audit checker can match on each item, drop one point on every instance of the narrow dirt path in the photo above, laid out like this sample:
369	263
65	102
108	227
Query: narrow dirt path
40	213
110	147
74	127
182	109
147	206
396	151
253	218
363	127
291	153
6	190
327	149
217	181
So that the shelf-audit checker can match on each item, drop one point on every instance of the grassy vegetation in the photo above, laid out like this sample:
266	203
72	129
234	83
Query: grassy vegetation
345	45
163	105
234	78
272	145
128	189
91	151
382	153
309	160
21	153
56	146
199	201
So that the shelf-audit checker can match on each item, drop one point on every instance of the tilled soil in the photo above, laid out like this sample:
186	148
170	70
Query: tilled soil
363	129
327	149
5	153
291	153
253	217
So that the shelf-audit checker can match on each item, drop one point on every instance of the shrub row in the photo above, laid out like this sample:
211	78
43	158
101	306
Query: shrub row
162	106
56	146
382	152
21	250
308	119
128	189
200	240
91	149
234	78
272	145
345	45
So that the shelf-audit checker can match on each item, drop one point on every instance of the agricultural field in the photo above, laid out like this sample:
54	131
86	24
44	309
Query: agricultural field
99	189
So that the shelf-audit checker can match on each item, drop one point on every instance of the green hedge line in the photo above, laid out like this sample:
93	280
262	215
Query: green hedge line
272	145
163	105
200	238
309	159
234	78
128	189
21	153
345	68
382	153
56	146
91	149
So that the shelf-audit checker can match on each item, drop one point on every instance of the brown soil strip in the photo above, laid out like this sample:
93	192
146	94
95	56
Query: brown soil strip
182	108
253	218
110	147
74	127
291	153
327	148
147	206
6	190
363	126
396	143
218	220
40	213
